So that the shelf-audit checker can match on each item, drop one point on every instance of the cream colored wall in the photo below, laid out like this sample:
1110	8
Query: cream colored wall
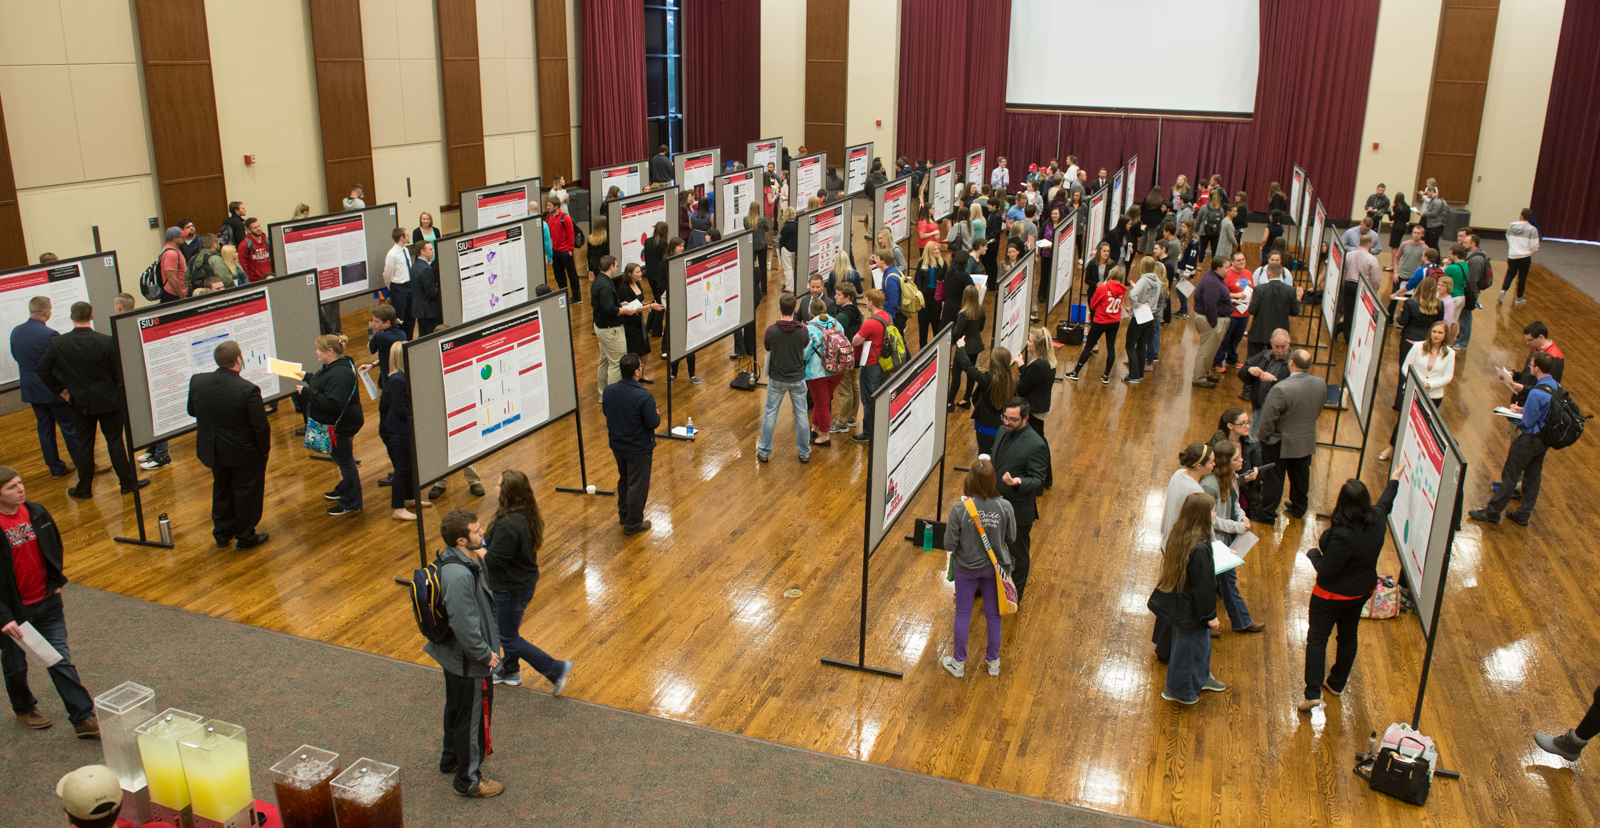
783	70
75	118
1397	100
575	85
266	87
873	76
1520	73
400	42
506	67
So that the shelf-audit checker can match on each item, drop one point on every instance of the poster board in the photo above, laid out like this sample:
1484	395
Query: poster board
734	193
346	249
1317	224
891	208
1097	224
1062	260
760	153
1361	359
1331	286
1432	469
1132	183
943	189
975	166
857	163
498	204
633	218
1303	218
909	421
93	279
710	293
1115	206
823	232
479	386
485	270
161	346
630	177
1013	303
1296	182
806	176
694	171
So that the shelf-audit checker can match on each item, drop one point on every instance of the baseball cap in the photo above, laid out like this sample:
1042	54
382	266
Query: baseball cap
90	792
174	233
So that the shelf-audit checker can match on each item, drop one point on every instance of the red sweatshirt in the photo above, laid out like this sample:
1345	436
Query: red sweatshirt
561	232
1107	303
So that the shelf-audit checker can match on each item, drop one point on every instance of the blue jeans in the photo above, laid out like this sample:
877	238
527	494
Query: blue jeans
796	391
51	416
50	620
1229	352
871	381
509	605
1464	336
349	488
158	451
1232	603
1155	341
1190	664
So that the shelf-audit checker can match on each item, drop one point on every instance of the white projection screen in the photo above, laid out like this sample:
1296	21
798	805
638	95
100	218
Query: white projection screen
1036	31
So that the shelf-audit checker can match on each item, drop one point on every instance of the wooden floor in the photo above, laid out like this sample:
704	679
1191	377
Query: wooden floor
690	621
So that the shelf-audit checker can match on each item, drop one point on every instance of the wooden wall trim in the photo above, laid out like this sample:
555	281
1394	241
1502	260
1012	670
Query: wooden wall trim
555	98
175	49
827	75
1456	96
13	247
346	124
463	94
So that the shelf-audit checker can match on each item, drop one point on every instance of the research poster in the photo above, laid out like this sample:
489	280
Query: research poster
1097	224
826	227
897	208
335	247
1016	298
1332	283
1364	335
494	271
944	182
913	407
1061	259
975	164
739	190
807	179
1317	224
626	178
856	162
1132	182
1420	456
768	151
698	170
496	385
178	345
1296	182
502	205
711	288
1116	202
1303	218
638	221
63	283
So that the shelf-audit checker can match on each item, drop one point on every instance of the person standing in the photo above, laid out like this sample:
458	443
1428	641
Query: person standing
1272	305
234	223
173	267
1570	745
232	439
563	238
1346	560
1435	363
425	307
1229	522
330	399
1212	303
255	252
31	577
882	264
786	342
819	380
1434	211
397	276
1525	459
607	319
970	543
1145	294
394	429
1351	239
511	571
848	387
1536	335
1407	257
1185	600
1480	274
661	171
471	649
1287	430
29	341
357	198
1264	369
1021	459
1106	309
631	423
1360	264
1000	177
873	331
1036	383
995	388
1522	241
80	367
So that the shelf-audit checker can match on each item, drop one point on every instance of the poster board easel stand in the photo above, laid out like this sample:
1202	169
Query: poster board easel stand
860	664
577	423
138	502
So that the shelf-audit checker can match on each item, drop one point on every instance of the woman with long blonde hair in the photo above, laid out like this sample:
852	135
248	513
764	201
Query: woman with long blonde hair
599	243
788	237
330	399
930	277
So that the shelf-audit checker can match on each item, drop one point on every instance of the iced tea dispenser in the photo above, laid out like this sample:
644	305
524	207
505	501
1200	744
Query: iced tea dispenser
305	799
367	795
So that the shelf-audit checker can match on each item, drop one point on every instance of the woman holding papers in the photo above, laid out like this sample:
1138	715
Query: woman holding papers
1139	309
1435	364
1346	560
1229	523
630	292
1185	599
330	396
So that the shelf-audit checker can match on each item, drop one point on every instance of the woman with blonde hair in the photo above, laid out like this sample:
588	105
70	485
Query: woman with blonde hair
301	210
842	274
1435	363
930	276
970	566
1185	600
598	243
788	237
330	399
995	388
425	231
394	429
230	260
884	240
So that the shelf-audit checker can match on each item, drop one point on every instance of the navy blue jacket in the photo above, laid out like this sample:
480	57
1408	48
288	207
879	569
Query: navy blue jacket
631	417
380	344
394	408
425	290
29	341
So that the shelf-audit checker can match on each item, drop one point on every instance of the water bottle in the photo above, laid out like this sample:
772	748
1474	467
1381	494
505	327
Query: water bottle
165	526
690	427
927	537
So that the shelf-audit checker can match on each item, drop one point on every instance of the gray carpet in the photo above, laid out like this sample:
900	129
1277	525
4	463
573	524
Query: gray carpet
1576	262
562	760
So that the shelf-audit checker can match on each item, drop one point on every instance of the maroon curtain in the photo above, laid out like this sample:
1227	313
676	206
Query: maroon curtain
952	77
1204	148
1569	171
1030	139
614	102
988	39
1109	141
1311	95
722	75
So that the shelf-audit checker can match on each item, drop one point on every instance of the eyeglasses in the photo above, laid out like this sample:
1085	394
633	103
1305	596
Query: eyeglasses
1010	419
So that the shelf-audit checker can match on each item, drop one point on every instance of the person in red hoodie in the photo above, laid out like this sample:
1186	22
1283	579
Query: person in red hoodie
1107	308
255	253
563	238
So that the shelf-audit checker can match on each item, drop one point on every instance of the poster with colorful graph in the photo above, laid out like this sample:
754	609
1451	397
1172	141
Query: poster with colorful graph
1420	457
494	271
711	283
496	384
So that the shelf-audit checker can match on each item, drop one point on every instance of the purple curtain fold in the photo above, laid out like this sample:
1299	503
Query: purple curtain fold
1311	95
952	77
722	75
1203	148
1108	141
1569	169
614	102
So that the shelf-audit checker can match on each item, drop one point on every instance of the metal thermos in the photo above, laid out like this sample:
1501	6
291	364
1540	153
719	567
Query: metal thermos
166	528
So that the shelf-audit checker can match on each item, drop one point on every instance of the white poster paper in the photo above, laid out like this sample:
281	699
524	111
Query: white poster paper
711	288
738	191
856	163
944	182
1132	183
1296	182
1303	218
626	178
807	180
1097	224
976	161
1016	298
178	345
826	226
335	247
496	385
912	409
897	208
1331	285
638	221
1062	259
767	152
1420	456
1363	344
494	271
62	283
1116	201
698	170
502	205
1317	224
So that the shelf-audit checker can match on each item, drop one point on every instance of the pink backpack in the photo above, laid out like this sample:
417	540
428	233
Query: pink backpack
837	355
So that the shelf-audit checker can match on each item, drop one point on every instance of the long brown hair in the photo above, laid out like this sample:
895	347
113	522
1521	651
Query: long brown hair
1192	526
1002	383
597	232
516	495
1225	450
1428	295
980	481
970	304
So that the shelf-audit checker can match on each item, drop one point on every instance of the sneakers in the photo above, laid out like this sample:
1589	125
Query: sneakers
1073	375
1178	700
560	683
486	788
956	668
763	457
1520	301
839	429
1308	705
1130	380
34	719
340	510
1567	745
994	666
1105	379
330	495
151	465
514	680
88	728
1213	684
1484	515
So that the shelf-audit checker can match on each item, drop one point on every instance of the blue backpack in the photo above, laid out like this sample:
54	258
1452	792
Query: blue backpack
427	602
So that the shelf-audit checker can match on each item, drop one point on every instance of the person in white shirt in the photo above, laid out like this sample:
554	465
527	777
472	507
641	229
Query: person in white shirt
1522	241
1000	179
559	190
1072	169
397	277
1435	364
1264	273
357	198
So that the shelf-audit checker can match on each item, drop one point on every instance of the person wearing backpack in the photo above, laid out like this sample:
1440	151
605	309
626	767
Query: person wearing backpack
172	268
874	332
889	283
828	356
1480	277
786	344
848	315
208	263
467	651
1525	459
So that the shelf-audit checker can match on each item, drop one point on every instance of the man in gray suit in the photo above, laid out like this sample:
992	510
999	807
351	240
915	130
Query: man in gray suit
1287	429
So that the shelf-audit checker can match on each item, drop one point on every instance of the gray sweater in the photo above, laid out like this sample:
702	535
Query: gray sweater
472	618
1147	291
961	536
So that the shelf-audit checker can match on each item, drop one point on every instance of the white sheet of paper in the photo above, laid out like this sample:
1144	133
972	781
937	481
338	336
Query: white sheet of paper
38	650
1503	375
1224	557
1243	543
633	305
284	369
1185	287
866	348
1507	413
877	278
366	381
1143	314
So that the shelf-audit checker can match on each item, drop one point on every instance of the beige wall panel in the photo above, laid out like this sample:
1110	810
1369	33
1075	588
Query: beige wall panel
518	22
385	110
101	31
499	158
424	165
522	95
783	72
492	90
31	32
527	148
57	220
120	208
110	114
417	27
1514	106
874	75
419	85
492	34
41	125
1397	99
380	30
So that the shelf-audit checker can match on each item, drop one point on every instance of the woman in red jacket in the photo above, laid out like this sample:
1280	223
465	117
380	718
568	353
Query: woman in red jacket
1107	308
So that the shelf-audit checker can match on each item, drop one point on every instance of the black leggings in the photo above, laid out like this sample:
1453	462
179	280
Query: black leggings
1591	720
1138	347
1517	269
955	384
1096	331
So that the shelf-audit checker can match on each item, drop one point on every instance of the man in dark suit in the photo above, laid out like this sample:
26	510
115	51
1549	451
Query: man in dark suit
29	341
631	423
1021	463
233	441
1273	303
81	368
1287	429
1265	369
425	304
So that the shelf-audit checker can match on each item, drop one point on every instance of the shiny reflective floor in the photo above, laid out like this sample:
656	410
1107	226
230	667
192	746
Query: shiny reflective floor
690	621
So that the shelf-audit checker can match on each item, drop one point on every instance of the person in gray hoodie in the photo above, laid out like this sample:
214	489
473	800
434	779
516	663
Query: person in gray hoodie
970	566
1145	293
786	342
469	657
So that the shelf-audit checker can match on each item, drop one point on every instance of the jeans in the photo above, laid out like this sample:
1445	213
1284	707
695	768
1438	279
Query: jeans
1096	331
1517	269
1525	463
51	416
796	391
158	451
349	488
968	584
1138	347
1155	343
468	705
1228	354
1232	602
509	604
1190	663
871	379
1183	302
1326	614
566	273
48	617
1464	336
822	403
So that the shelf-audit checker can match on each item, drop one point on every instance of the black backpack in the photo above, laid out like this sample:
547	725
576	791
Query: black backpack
150	281
427	602
1563	423
1212	225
